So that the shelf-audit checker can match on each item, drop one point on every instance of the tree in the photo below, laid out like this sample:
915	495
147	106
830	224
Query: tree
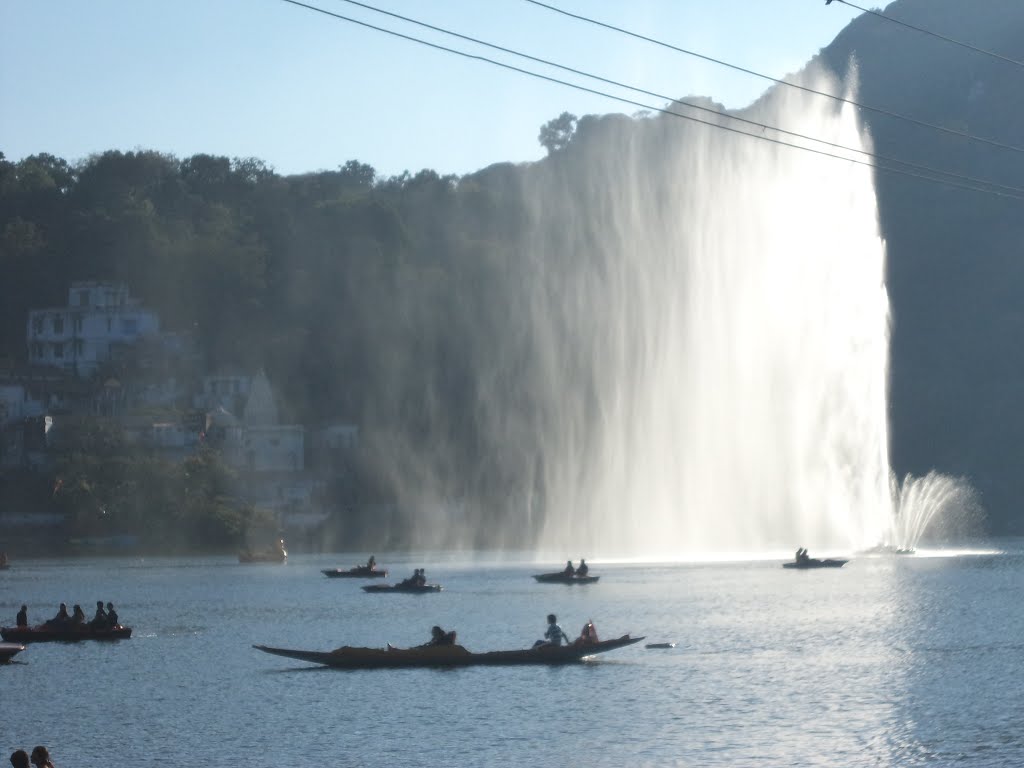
556	134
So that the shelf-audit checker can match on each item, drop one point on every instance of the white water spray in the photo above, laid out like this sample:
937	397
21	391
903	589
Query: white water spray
711	320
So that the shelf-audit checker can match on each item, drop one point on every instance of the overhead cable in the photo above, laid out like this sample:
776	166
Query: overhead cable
923	176
962	44
691	105
787	83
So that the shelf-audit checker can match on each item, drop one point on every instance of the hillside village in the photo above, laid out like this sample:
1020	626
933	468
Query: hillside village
103	357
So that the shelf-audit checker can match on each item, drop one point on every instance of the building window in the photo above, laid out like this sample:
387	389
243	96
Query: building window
76	323
37	325
58	350
79	347
83	298
109	324
58	323
37	351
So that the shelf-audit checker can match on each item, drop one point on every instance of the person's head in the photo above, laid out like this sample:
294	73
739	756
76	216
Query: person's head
110	606
19	759
552	618
24	607
77	608
40	757
64	607
99	604
436	631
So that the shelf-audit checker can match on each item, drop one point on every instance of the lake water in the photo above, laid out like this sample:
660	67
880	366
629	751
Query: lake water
896	661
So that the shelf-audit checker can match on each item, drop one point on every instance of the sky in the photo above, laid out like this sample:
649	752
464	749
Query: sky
304	91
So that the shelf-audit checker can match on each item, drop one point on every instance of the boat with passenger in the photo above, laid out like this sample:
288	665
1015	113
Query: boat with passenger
561	577
348	657
67	634
409	589
356	572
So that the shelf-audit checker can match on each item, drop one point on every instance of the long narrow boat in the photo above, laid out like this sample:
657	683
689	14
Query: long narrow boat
9	650
815	563
561	577
348	657
409	589
357	572
43	634
263	557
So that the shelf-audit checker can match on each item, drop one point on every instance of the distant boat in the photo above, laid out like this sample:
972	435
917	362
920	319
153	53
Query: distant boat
813	562
449	655
886	549
9	650
45	634
411	589
561	577
357	572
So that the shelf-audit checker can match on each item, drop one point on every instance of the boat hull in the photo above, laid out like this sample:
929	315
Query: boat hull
813	563
449	656
51	635
9	650
400	589
563	578
353	573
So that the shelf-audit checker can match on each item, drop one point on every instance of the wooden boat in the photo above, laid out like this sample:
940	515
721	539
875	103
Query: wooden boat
561	577
9	650
411	589
356	572
348	657
45	634
814	562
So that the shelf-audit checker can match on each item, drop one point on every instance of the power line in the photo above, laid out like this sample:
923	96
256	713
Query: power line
787	83
649	107
968	46
691	105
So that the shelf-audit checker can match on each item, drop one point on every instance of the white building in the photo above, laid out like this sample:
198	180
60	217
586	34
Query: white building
79	337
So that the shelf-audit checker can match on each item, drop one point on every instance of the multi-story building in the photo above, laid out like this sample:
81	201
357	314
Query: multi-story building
100	317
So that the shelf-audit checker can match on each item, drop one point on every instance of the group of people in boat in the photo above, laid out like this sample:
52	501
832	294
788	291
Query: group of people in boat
582	570
802	556
104	618
554	635
418	579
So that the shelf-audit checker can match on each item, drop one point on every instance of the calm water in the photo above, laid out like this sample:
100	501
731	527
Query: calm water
888	661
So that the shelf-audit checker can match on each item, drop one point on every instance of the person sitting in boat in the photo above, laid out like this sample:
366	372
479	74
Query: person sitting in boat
413	580
801	555
371	563
553	635
22	620
439	637
61	619
583	569
111	616
77	616
569	570
421	577
99	620
588	634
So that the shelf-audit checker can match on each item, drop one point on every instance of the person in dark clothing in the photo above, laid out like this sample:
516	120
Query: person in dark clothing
41	758
77	616
439	637
583	569
99	620
22	620
61	619
569	570
111	616
19	759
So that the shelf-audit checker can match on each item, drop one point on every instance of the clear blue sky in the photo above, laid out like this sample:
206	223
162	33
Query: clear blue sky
304	92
